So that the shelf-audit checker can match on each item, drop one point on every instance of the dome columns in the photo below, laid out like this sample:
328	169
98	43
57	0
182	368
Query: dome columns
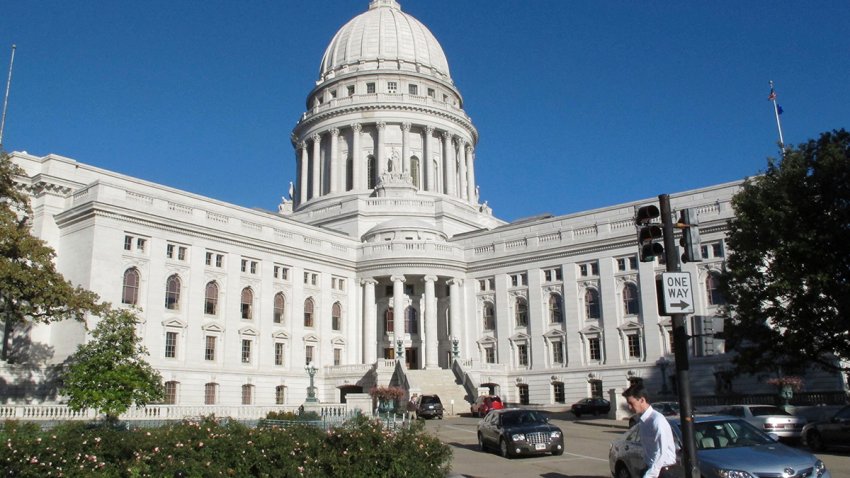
334	160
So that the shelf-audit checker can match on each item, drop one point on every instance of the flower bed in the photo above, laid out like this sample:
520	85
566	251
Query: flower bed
361	447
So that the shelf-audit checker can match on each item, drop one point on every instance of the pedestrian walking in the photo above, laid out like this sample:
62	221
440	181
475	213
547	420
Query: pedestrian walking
411	407
656	436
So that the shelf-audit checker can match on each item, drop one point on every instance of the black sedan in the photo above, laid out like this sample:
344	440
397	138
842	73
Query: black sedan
832	432
516	432
592	406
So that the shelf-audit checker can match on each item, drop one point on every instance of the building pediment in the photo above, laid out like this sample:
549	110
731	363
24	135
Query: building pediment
174	323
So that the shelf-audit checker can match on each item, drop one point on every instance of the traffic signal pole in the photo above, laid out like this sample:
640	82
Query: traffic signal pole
680	349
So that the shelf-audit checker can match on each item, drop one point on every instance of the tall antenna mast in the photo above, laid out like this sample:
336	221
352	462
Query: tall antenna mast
6	98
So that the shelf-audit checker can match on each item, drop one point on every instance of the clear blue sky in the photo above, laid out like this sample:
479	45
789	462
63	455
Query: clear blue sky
579	105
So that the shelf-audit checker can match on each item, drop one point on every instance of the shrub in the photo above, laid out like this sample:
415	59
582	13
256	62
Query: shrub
362	447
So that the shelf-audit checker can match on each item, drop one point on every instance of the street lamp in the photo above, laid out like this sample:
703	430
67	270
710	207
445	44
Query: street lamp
311	390
663	363
455	349
399	349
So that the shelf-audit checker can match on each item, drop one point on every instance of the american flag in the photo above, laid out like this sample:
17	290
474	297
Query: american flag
772	95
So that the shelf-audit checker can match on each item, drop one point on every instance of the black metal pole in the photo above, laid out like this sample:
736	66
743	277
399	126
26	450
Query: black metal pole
680	349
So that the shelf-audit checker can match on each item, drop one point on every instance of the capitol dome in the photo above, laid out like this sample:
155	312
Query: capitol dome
384	38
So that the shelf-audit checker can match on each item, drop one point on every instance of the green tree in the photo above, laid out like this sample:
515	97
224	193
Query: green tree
31	289
787	281
109	372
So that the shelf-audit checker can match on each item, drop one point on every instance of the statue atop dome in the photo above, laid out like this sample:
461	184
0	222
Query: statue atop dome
384	3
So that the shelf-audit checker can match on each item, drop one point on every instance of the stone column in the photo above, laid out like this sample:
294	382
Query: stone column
398	307
470	175
334	173
427	161
461	146
370	322
356	160
454	307
317	165
448	165
305	173
432	340
405	147
380	155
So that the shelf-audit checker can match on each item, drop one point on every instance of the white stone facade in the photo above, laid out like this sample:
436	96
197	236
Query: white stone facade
384	214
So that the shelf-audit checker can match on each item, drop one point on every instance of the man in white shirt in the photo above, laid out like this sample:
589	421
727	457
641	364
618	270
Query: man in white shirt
656	436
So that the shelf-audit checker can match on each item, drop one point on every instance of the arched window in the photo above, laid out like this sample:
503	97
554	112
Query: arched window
591	303
336	316
170	396
411	321
279	307
631	305
247	303
489	317
308	313
211	298
172	293
712	289
371	172
130	290
414	171
556	309
389	321
521	312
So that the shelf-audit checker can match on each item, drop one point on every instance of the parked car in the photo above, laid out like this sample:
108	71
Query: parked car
484	403
770	418
516	431
726	446
593	406
832	432
668	409
429	406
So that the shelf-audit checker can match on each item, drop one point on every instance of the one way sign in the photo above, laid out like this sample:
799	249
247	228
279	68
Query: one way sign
677	291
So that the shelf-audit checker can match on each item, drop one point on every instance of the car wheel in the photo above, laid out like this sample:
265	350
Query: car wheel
481	445
577	414
814	441
622	472
503	448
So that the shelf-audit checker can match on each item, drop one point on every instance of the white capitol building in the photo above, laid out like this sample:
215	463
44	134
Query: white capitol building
382	250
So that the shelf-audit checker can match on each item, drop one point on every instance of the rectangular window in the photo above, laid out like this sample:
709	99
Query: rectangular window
717	249
333	94
209	348
308	354
253	267
582	270
246	351
140	244
634	345
594	268
413	89
128	243
432	93
704	250
370	88
171	344
522	354
169	251
337	356
281	272
633	263
392	87
244	267
181	253
593	346
547	276
247	394
280	395
621	264
219	260
278	353
350	90
490	354
558	353
558	389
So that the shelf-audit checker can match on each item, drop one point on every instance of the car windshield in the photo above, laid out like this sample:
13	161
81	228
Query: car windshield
728	434
522	418
768	410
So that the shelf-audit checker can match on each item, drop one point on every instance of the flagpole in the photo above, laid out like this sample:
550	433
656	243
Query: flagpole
6	98
772	97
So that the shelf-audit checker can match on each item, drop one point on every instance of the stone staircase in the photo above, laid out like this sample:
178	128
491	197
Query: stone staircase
443	383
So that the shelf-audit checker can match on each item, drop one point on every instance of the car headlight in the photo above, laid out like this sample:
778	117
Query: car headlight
734	474
518	437
555	434
820	468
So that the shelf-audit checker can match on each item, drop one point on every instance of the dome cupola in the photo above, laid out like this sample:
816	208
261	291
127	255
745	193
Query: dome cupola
384	38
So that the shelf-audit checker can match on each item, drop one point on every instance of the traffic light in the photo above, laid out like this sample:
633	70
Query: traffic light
650	233
689	224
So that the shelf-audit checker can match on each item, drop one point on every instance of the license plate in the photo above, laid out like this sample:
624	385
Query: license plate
430	407
540	446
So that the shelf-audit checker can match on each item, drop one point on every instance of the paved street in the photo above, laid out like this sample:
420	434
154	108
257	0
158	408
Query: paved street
587	442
